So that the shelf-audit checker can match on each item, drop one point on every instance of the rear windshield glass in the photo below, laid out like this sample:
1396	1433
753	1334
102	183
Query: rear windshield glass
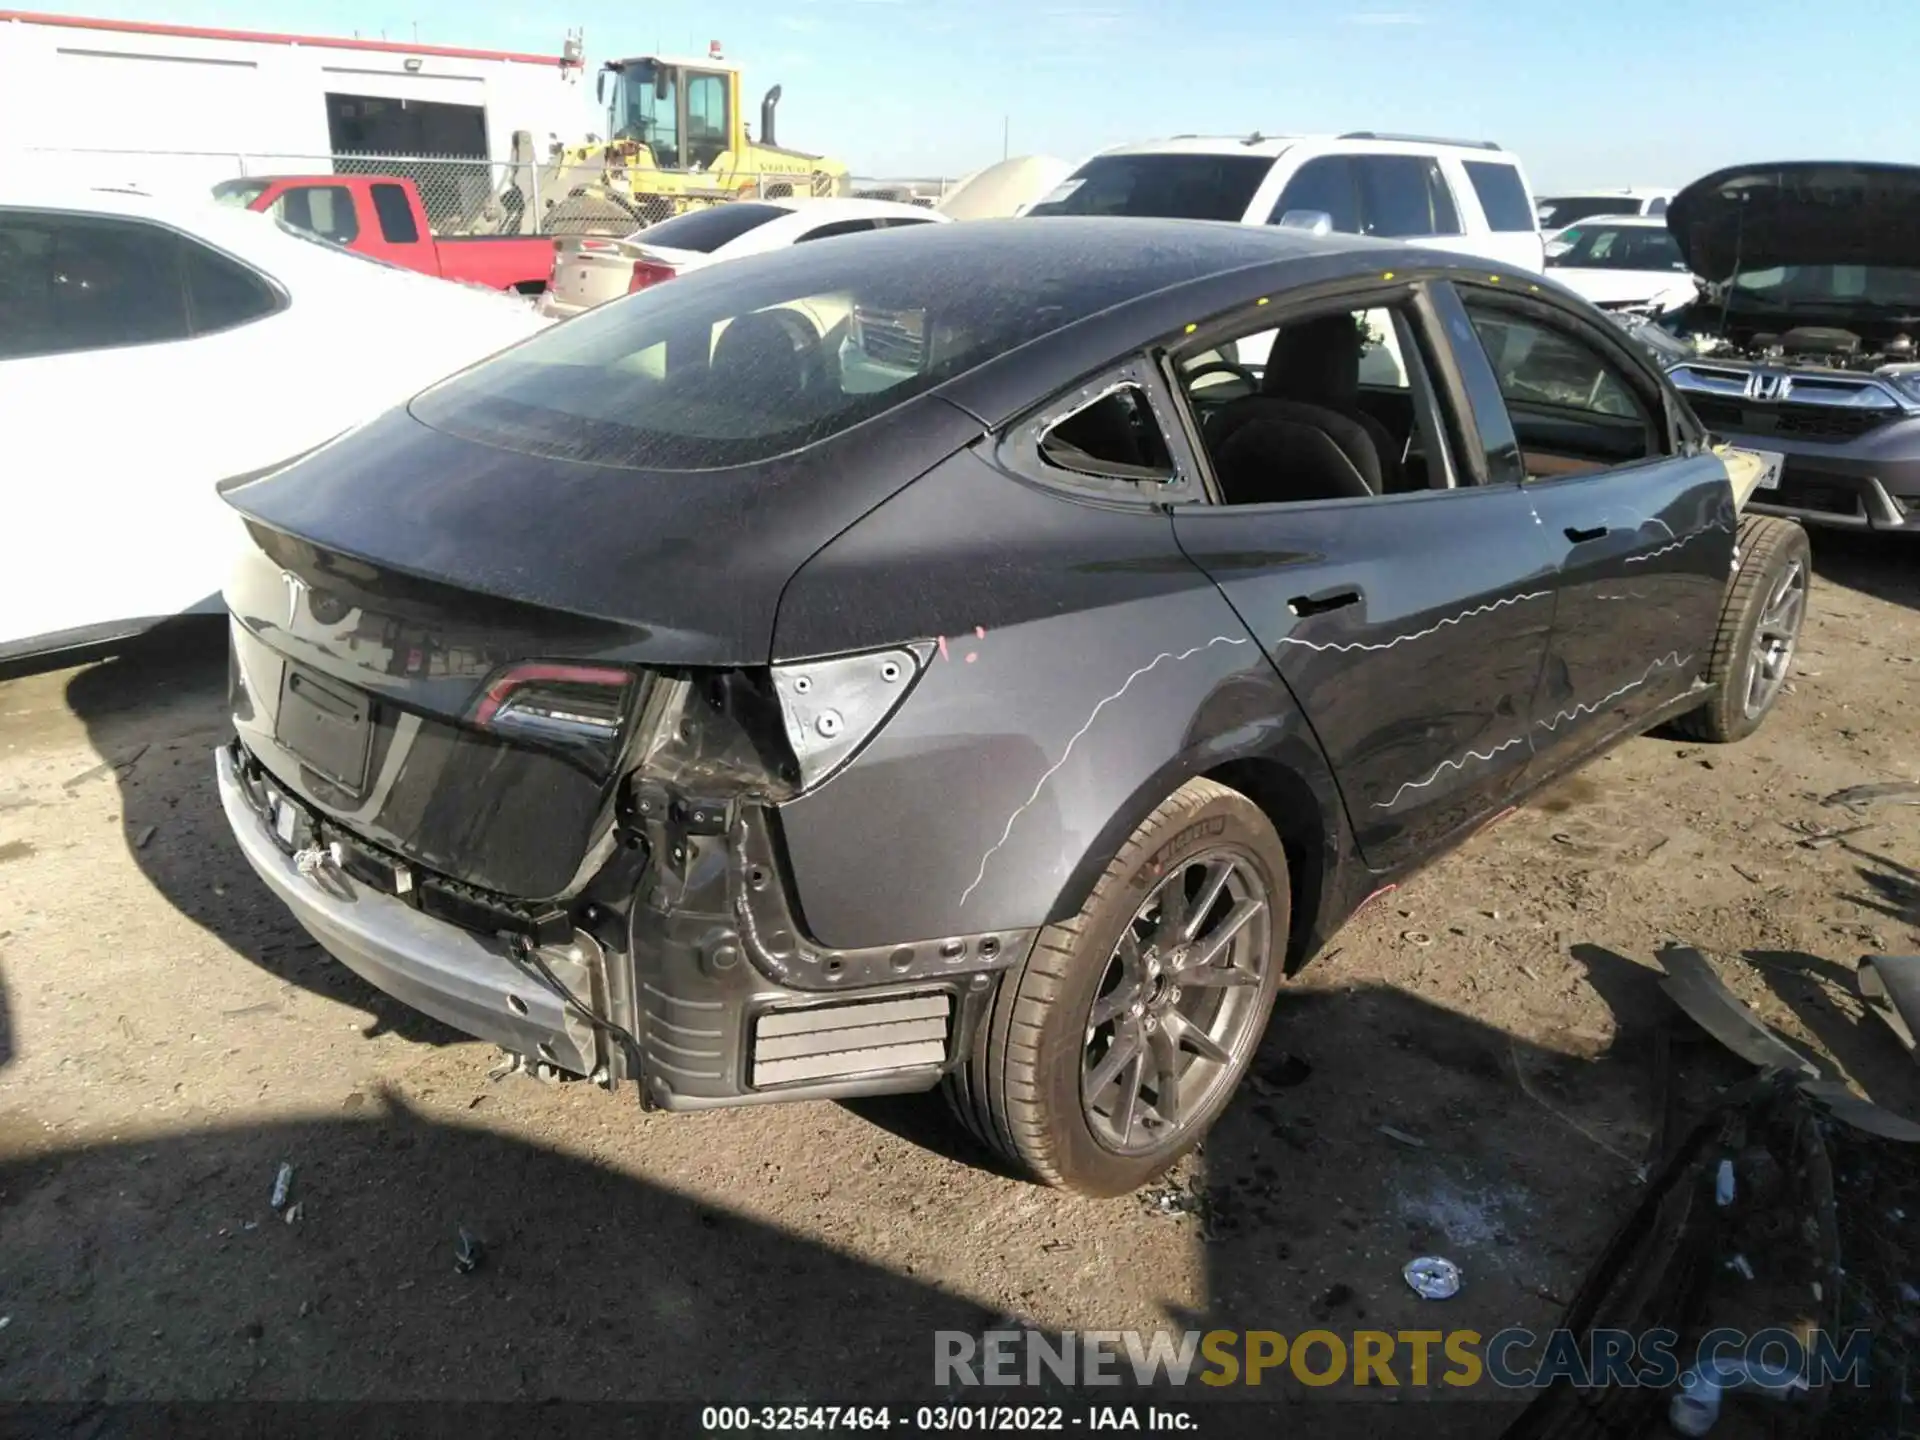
737	363
707	230
1174	187
239	193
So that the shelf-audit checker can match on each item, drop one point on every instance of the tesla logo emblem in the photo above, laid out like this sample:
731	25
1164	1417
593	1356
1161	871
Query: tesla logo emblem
295	585
1766	385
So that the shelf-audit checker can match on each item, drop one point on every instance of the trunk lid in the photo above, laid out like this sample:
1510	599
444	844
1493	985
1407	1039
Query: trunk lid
395	575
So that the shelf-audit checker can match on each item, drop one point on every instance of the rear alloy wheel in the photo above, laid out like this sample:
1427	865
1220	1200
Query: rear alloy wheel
1110	1053
1759	630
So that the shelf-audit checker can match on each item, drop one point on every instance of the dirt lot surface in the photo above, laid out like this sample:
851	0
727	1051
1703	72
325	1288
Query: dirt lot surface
168	1038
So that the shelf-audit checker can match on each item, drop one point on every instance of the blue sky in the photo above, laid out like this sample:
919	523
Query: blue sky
1624	92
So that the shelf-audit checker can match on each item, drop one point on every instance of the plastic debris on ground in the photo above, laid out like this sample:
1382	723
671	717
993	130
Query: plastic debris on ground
1433	1277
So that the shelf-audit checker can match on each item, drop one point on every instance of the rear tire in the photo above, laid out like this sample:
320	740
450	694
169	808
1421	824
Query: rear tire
1165	978
1760	622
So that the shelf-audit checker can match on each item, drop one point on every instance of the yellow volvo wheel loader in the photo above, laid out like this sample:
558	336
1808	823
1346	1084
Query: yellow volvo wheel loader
676	140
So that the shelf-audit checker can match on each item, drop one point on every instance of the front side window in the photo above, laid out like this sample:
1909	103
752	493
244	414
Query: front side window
84	282
645	111
1331	406
1502	195
1323	184
323	210
1572	407
708	133
1404	196
1192	186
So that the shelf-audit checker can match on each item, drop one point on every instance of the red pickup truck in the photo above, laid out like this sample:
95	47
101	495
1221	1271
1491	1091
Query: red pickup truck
381	216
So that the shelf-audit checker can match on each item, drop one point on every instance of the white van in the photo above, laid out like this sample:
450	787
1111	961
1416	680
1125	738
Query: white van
1467	196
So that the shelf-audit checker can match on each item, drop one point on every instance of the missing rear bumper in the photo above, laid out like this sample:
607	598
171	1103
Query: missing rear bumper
463	978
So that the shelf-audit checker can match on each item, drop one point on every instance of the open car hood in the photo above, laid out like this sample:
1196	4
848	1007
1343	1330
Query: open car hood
1798	212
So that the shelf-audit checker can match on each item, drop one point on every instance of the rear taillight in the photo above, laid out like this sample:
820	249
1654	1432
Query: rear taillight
649	272
581	709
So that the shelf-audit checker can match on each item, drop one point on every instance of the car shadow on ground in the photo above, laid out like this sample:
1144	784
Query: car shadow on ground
156	1268
1375	1126
1886	567
155	712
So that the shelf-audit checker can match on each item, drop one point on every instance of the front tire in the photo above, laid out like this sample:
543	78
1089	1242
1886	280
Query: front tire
1759	630
1109	1054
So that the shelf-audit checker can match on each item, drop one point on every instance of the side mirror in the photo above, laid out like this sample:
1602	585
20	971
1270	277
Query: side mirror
662	84
1314	222
600	88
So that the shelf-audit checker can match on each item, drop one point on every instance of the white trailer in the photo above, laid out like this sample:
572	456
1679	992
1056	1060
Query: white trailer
179	105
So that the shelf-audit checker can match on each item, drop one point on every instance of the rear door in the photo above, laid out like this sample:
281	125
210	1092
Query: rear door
1411	627
1639	517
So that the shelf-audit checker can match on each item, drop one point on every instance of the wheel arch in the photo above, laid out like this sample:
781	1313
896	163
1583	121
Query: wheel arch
1287	777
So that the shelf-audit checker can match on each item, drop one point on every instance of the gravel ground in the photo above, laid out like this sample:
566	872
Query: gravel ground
168	1038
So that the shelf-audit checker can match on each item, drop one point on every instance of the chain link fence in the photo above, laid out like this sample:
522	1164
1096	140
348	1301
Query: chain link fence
467	196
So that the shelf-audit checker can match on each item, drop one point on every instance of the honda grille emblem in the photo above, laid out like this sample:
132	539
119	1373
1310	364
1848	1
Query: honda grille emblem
1766	385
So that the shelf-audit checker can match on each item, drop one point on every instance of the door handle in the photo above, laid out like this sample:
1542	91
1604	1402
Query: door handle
1580	537
1305	605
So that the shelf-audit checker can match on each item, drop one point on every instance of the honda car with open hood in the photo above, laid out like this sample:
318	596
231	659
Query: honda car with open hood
1802	339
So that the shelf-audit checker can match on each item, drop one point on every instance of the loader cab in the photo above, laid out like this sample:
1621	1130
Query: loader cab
686	113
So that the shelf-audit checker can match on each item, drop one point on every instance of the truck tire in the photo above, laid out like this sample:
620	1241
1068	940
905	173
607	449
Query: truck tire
1109	1053
1759	628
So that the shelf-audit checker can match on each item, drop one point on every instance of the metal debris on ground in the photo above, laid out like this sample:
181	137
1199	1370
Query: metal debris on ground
1723	1184
146	834
282	1185
294	1212
1433	1277
1401	1136
1173	1198
1892	792
1741	1266
1890	984
468	1254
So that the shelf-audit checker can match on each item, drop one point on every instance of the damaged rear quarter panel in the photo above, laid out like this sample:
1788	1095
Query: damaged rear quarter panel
1083	668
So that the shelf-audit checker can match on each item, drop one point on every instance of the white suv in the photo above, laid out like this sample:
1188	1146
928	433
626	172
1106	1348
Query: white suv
1462	195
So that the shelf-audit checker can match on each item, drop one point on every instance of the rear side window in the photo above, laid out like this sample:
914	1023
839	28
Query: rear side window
221	292
1169	187
707	230
1502	195
1405	195
395	213
839	227
1657	205
323	210
730	365
84	282
1324	183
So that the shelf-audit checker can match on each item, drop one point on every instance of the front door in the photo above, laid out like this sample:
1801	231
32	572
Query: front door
1411	626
